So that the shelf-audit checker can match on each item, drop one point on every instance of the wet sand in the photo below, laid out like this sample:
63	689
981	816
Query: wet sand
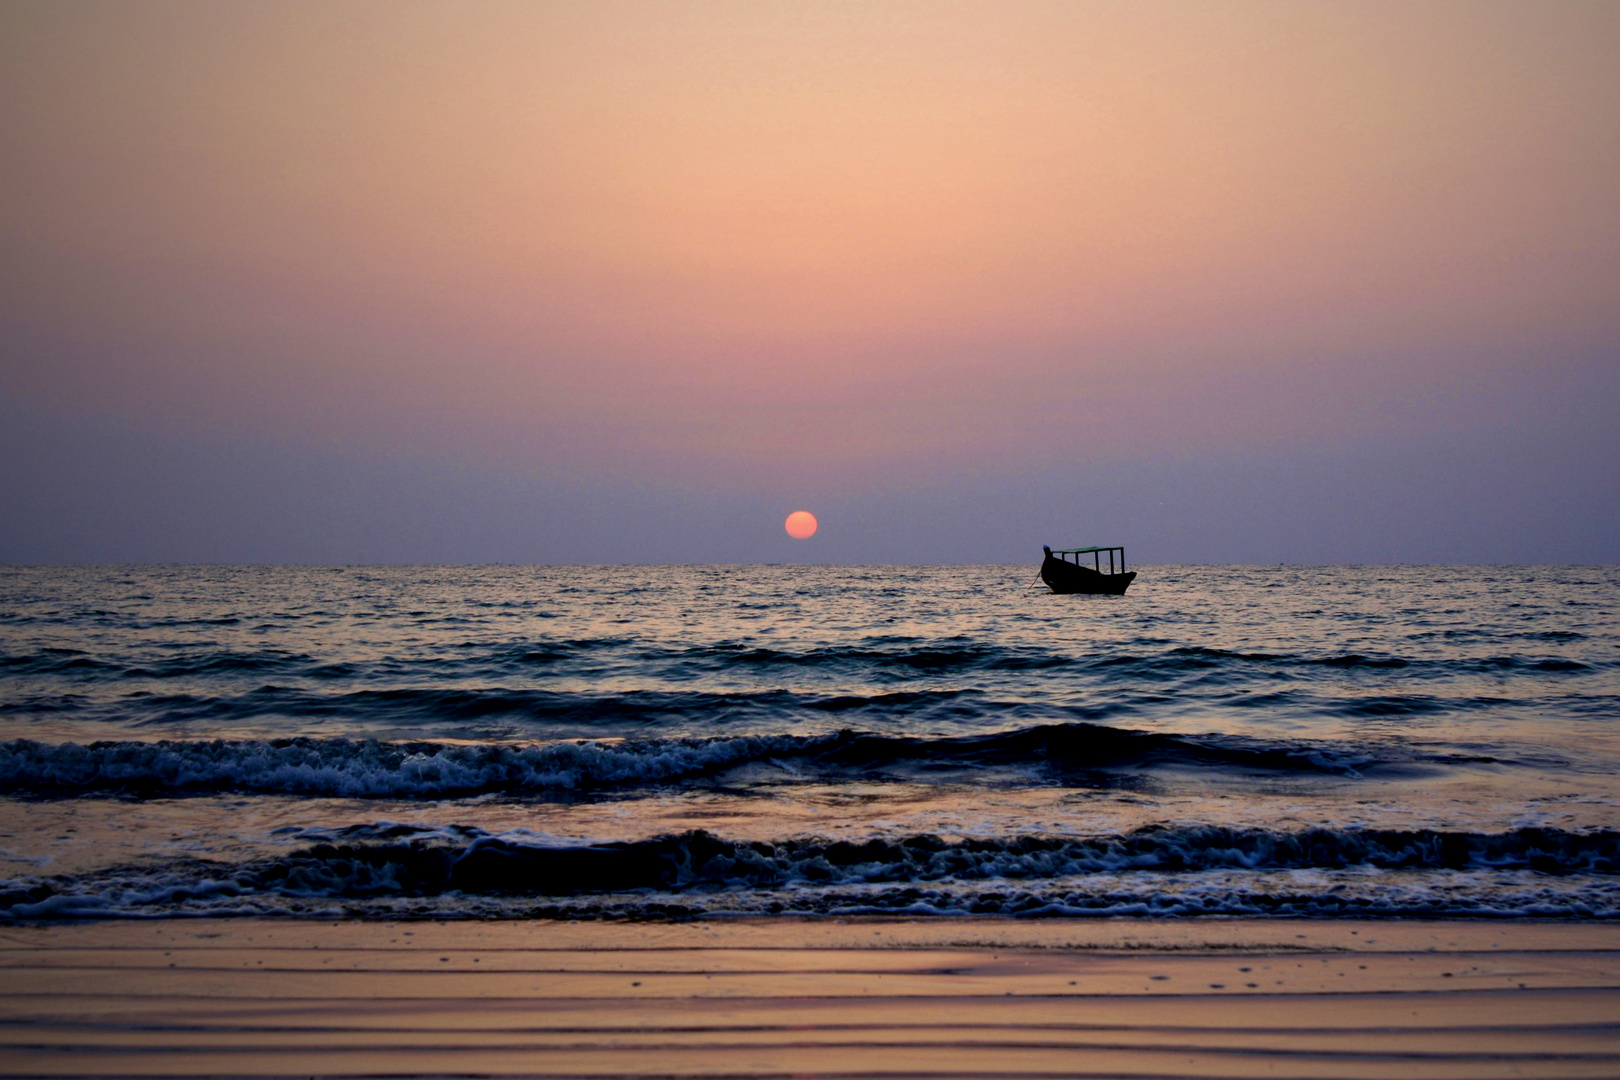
1218	998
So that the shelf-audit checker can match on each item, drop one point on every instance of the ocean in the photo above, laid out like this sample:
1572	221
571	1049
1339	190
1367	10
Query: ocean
703	741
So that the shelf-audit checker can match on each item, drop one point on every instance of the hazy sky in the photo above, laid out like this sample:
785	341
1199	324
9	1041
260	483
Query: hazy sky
630	281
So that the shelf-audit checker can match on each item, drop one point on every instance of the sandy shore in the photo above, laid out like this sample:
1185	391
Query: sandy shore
781	998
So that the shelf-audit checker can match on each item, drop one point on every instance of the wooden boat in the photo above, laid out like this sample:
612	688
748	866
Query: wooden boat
1064	572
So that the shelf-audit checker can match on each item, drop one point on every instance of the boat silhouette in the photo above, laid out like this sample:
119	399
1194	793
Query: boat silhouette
1064	572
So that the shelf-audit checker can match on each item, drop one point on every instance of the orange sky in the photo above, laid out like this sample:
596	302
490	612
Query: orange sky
794	244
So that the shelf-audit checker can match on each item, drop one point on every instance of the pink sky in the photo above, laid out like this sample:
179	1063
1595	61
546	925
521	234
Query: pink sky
805	251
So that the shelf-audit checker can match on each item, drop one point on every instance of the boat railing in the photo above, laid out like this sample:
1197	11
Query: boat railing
1096	554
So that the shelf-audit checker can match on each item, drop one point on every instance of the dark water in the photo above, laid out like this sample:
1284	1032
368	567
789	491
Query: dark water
697	740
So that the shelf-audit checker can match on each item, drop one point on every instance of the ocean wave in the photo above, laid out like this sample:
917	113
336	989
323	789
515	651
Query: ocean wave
400	711
369	768
493	864
365	768
906	656
209	663
436	705
876	660
1194	869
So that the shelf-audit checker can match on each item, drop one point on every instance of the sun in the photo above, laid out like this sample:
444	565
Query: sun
801	525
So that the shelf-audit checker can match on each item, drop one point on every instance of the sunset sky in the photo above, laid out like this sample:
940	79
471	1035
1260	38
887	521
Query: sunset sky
580	282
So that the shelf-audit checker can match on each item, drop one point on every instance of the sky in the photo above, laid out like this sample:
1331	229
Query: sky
629	282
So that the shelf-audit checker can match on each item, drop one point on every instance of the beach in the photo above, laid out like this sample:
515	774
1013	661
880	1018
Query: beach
1092	998
1060	538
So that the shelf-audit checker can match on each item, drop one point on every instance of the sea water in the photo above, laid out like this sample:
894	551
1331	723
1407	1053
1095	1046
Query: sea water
574	742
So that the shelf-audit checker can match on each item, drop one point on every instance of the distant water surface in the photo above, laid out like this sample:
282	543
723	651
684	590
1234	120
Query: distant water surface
584	741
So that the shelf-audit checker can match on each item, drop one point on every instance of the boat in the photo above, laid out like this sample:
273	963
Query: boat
1065	572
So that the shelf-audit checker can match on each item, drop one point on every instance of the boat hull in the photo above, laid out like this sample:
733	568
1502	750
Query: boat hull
1066	577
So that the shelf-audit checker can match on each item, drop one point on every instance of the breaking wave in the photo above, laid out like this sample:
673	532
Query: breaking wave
368	768
1210	868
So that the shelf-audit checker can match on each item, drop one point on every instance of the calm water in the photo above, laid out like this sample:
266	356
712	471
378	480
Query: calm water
697	740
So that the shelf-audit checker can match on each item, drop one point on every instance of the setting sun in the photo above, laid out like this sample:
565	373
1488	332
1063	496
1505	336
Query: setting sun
801	525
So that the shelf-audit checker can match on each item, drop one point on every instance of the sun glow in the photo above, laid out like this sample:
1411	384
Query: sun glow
801	525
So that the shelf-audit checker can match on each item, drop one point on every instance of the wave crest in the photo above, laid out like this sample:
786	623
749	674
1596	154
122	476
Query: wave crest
1216	869
369	768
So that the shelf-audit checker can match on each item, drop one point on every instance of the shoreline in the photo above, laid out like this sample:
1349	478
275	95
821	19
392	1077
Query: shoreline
1461	999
